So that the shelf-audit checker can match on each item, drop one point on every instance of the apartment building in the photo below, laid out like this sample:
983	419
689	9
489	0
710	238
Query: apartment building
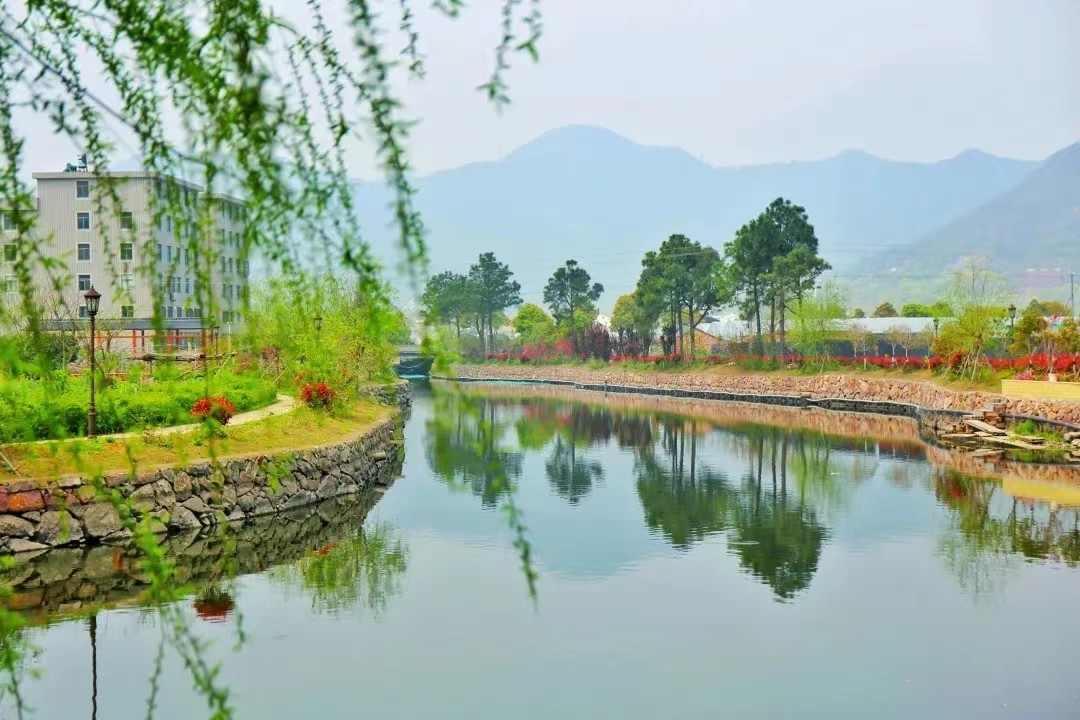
142	240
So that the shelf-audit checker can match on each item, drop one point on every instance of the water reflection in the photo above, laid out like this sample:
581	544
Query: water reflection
772	492
773	532
990	527
322	550
363	569
464	447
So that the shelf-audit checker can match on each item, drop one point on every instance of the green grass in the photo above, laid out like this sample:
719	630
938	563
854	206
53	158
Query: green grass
300	429
36	409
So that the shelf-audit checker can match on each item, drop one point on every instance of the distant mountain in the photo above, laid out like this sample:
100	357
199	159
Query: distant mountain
591	194
1030	233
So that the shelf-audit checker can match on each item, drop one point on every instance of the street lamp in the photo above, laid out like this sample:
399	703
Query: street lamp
318	323
214	330
1012	315
93	302
937	322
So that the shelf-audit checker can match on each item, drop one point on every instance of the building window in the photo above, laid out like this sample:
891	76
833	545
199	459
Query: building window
159	252
127	251
161	281
82	221
9	283
168	223
230	263
82	188
169	311
9	222
84	283
82	312
168	253
127	283
187	286
127	311
9	253
83	250
127	221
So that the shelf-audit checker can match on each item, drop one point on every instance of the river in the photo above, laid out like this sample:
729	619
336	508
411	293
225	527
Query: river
689	562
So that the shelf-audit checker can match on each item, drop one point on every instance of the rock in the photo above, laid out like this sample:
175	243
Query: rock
19	545
182	486
27	500
101	520
143	500
58	528
15	526
183	518
196	505
327	488
300	499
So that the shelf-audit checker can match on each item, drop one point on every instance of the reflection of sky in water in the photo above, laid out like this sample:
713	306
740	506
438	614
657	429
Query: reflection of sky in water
626	625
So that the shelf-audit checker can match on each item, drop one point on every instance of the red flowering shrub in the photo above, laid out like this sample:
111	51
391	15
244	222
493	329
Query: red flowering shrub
317	395
217	408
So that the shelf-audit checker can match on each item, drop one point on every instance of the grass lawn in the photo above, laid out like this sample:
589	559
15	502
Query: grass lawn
299	429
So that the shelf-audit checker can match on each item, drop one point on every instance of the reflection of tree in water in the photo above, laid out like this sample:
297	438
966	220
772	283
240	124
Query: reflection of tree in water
776	535
990	528
779	537
463	446
570	476
363	569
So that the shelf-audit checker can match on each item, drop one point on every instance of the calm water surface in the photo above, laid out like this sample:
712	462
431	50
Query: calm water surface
687	569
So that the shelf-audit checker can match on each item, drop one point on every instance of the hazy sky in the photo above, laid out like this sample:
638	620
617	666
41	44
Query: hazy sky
749	81
743	81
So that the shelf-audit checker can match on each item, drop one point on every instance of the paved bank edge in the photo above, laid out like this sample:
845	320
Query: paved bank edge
906	398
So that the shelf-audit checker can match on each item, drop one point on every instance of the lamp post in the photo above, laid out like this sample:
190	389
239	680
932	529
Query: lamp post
214	330
1012	326
93	302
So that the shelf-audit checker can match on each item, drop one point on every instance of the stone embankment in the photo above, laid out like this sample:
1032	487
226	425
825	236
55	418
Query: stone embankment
37	514
850	392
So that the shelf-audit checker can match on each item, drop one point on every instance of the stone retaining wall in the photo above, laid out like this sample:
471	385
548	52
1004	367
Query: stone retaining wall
69	511
397	394
832	391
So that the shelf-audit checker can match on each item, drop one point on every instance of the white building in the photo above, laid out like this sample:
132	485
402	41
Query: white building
141	240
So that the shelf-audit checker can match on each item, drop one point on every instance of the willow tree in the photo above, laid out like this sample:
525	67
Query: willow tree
243	101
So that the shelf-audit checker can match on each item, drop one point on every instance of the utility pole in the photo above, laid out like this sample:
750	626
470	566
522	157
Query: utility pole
1072	294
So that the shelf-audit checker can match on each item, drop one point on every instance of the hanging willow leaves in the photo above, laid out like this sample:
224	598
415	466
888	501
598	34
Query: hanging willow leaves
231	96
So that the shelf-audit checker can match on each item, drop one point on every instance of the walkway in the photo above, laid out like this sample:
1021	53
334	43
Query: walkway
284	404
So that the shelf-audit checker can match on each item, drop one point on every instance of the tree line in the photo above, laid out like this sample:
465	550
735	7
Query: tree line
770	272
765	271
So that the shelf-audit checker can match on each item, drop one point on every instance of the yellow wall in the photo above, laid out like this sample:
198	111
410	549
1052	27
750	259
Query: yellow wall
1041	389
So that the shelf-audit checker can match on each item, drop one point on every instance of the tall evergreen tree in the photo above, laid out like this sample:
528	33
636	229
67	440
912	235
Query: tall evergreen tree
569	291
495	290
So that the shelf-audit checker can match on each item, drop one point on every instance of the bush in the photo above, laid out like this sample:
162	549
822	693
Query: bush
317	395
217	408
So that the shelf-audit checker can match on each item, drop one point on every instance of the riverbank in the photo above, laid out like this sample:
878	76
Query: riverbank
279	464
829	390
